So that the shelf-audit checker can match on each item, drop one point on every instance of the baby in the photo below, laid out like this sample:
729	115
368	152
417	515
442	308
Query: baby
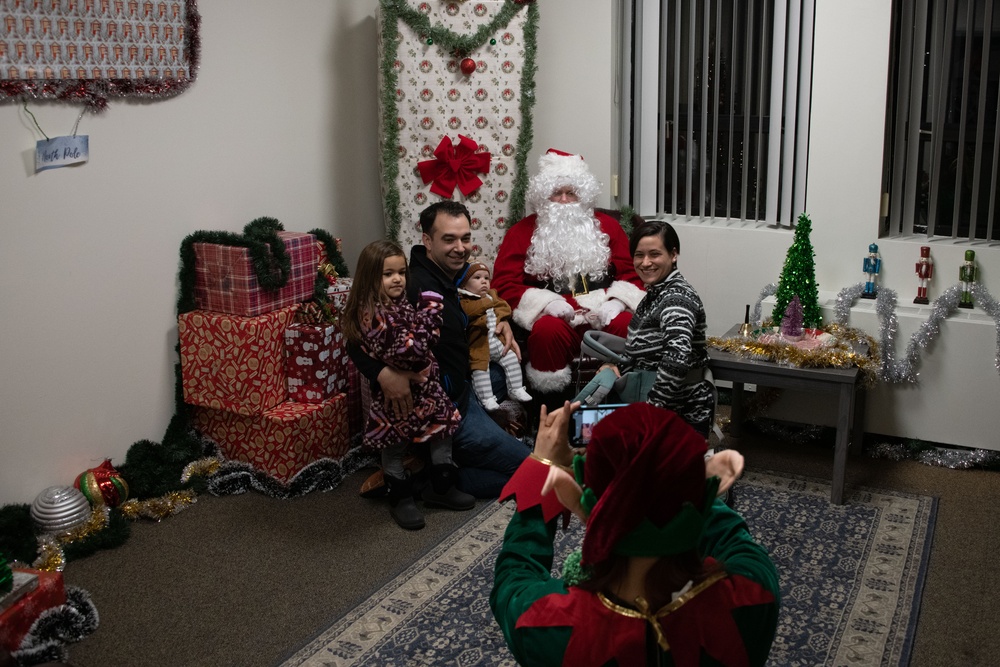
484	309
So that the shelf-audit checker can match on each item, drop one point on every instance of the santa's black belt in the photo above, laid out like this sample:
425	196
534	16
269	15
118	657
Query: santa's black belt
584	285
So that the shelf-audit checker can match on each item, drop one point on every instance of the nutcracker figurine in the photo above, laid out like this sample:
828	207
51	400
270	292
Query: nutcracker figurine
967	274
872	265
925	271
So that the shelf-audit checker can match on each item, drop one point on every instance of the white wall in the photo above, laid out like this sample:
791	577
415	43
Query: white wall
282	121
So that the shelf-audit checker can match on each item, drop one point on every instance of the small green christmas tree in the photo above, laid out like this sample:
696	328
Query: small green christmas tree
798	278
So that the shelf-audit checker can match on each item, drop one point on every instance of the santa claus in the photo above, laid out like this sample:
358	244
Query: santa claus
565	269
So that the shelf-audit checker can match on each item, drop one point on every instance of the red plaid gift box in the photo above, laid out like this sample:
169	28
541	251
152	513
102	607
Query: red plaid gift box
284	439
234	363
16	620
337	293
314	356
225	281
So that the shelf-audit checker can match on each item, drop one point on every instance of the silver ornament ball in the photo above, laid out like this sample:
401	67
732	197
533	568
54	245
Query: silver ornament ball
60	509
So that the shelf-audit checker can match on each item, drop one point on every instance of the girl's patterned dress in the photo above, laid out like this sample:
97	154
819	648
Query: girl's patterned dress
402	336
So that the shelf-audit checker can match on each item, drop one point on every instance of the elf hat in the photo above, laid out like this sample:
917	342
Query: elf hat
469	272
645	486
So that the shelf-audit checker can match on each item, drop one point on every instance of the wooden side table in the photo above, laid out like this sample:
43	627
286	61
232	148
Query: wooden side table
843	382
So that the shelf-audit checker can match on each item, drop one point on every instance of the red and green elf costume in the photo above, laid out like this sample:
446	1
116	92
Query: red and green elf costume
727	619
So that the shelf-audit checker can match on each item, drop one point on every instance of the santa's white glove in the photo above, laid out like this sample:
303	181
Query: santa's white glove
607	311
559	308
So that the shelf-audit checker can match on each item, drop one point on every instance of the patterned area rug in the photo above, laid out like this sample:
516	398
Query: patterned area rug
851	577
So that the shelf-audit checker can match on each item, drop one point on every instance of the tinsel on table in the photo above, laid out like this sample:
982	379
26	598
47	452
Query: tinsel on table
841	354
56	627
770	289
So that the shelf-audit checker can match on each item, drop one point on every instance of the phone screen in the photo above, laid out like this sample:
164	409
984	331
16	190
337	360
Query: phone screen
586	418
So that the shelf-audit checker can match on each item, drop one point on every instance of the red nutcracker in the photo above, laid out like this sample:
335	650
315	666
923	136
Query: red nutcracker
925	271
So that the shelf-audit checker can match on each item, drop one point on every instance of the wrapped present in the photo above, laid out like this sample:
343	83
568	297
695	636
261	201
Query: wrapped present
16	619
337	293
314	373
284	439
225	280
234	363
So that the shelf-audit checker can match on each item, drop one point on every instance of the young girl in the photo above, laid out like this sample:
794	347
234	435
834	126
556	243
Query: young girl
485	308
378	317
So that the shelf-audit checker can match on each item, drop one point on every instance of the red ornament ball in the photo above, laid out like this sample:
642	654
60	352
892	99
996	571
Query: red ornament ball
468	66
102	485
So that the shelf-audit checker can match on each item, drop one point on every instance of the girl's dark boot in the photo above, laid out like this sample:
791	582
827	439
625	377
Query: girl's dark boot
402	507
443	492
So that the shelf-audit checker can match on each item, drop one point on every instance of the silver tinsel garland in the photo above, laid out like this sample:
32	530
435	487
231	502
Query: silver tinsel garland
770	289
895	370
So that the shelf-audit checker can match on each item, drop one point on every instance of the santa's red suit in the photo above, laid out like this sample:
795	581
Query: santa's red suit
553	342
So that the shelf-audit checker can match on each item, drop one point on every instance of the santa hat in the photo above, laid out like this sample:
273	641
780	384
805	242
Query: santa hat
557	168
471	271
561	164
645	486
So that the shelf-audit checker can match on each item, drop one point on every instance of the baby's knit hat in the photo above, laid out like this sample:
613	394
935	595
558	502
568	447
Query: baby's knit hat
471	271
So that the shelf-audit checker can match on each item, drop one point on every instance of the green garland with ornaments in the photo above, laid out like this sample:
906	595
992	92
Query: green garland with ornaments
460	45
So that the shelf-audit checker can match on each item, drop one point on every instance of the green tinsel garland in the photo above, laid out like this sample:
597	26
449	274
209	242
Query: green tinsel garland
461	45
268	256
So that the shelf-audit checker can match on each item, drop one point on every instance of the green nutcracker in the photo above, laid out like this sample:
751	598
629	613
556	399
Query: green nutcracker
967	274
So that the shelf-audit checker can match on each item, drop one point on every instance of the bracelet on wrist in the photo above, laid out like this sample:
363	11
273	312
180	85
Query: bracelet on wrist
547	462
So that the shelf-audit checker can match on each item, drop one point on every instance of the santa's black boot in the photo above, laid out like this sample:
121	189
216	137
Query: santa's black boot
443	493
402	507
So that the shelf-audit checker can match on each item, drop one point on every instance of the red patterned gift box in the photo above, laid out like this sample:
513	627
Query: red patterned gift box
337	293
314	372
225	281
284	439
234	363
16	620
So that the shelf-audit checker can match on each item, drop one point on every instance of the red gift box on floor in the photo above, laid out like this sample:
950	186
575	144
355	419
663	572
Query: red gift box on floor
16	620
284	439
225	281
234	363
314	372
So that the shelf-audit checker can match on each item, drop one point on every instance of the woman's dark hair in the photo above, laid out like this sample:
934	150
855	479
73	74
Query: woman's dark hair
448	207
655	228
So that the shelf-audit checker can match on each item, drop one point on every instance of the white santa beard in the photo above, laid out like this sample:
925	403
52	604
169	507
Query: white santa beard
567	241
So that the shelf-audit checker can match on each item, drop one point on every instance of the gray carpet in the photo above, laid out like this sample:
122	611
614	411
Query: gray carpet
244	580
851	577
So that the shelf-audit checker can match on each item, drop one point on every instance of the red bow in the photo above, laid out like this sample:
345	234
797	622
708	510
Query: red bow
455	165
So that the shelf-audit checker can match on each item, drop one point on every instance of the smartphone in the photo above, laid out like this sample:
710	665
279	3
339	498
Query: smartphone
586	418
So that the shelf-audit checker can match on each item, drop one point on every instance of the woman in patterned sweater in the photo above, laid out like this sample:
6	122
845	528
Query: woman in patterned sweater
667	332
